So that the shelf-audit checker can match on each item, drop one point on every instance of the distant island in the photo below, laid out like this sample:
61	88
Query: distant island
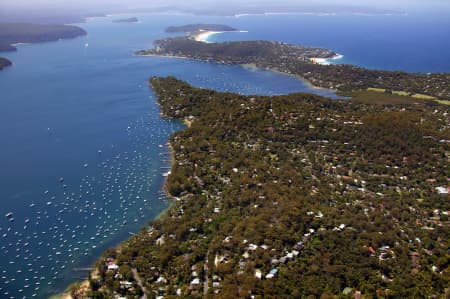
301	61
128	20
14	33
199	27
292	196
4	63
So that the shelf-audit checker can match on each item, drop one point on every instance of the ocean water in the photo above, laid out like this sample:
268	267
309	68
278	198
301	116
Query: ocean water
414	42
83	143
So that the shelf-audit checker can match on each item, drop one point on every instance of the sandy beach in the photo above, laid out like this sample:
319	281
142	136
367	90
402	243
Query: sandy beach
84	285
203	36
326	61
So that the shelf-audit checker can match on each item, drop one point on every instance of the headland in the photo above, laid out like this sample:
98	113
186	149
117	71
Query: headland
4	63
14	33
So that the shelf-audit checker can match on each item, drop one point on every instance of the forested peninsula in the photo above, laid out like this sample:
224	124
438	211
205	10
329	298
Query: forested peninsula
293	196
298	60
13	33
4	63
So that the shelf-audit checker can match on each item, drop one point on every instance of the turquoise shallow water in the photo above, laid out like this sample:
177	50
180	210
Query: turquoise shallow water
83	144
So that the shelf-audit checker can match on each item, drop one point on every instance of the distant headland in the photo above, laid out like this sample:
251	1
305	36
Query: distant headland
190	28
14	33
127	20
201	32
4	63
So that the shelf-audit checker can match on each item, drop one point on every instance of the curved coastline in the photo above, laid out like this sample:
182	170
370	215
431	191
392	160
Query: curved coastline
85	284
203	36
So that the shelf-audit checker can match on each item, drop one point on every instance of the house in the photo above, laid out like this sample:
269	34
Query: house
272	273
112	267
442	190
160	241
126	284
252	247
118	276
161	279
195	281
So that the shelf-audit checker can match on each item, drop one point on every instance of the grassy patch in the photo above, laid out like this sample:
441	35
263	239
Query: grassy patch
443	102
376	89
423	96
376	97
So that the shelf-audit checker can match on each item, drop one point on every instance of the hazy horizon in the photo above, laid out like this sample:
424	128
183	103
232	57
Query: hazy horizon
105	6
149	3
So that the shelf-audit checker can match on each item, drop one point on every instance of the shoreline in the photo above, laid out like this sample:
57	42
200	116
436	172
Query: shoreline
307	82
66	294
85	283
167	194
21	44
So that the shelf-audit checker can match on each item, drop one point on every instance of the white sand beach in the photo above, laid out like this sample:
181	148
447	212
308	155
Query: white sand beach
326	61
20	44
203	36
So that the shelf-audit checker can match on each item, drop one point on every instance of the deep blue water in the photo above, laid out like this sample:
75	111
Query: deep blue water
83	153
413	42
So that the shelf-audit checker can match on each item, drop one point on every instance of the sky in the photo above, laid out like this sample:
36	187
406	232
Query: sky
146	3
